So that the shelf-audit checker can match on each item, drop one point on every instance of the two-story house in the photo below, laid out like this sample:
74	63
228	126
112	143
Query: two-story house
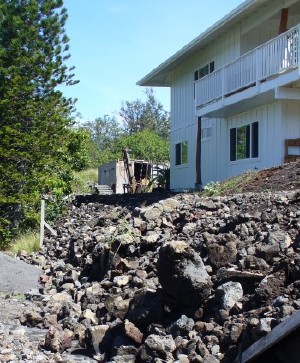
235	94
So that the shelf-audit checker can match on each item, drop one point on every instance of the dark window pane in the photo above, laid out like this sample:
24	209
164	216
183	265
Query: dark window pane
184	152
247	141
211	67
178	154
254	140
232	144
241	143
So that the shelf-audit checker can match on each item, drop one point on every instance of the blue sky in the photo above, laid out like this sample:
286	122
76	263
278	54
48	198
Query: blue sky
115	43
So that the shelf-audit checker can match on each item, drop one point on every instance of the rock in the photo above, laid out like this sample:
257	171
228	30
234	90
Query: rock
222	255
228	294
145	308
151	213
159	346
199	273
181	327
89	314
262	328
117	306
31	318
270	287
98	338
182	274
255	263
169	205
133	332
269	251
281	238
189	229
58	340
121	280
210	359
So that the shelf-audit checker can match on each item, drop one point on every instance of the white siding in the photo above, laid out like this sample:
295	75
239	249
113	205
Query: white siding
277	121
270	147
291	124
183	118
290	119
213	158
184	176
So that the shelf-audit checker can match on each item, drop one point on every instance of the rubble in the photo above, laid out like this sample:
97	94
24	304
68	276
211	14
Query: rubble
186	279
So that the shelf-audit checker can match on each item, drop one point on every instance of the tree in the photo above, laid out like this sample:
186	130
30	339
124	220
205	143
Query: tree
35	118
143	145
104	132
150	115
79	149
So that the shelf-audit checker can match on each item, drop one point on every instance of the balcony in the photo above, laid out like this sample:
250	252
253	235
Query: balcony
255	74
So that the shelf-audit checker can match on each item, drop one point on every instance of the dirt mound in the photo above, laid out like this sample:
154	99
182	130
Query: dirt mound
285	177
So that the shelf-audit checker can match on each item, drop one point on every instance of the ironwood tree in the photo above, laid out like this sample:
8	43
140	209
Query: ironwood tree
35	117
150	115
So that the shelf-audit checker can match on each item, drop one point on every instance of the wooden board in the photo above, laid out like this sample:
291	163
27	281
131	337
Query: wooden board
278	333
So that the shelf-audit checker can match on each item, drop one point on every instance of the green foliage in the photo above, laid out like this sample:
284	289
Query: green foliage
104	132
79	146
34	116
83	179
138	116
143	145
211	189
234	184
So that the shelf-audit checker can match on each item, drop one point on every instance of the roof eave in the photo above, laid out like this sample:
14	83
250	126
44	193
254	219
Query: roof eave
160	75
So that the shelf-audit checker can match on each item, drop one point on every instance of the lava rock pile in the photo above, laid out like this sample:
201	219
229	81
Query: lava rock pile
186	279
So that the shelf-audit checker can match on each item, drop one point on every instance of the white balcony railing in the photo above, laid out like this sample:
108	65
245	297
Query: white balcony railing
270	59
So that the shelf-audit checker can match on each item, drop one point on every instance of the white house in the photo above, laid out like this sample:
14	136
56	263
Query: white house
235	94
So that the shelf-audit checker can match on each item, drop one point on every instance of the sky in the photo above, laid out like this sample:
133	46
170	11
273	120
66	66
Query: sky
115	43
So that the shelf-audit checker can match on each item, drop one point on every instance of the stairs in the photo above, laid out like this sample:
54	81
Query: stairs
101	189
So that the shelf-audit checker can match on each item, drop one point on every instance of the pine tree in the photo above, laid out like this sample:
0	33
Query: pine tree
35	117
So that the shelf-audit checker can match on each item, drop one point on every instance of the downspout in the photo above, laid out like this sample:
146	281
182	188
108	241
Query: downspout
198	183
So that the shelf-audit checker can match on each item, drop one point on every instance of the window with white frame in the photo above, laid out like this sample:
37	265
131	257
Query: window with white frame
244	142
181	153
203	71
206	133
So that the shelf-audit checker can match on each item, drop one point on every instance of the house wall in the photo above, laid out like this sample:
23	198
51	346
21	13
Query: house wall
271	140
276	120
183	118
290	126
264	24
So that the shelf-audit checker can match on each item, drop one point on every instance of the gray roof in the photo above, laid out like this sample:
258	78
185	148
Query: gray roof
160	75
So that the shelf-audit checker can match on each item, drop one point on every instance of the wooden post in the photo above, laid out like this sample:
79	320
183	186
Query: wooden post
283	20
42	227
198	183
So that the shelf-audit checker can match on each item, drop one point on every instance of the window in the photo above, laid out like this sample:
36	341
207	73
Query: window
206	133
244	142
181	153
202	72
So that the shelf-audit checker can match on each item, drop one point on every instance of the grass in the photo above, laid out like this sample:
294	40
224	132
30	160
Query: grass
232	185
29	242
82	179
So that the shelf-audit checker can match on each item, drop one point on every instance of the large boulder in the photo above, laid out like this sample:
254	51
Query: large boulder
182	275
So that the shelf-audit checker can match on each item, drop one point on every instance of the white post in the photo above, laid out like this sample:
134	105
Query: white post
298	50
42	227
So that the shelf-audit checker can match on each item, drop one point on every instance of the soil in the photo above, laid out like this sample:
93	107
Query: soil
285	177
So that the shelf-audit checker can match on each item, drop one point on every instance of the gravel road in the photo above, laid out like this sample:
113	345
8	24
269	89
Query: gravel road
17	276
